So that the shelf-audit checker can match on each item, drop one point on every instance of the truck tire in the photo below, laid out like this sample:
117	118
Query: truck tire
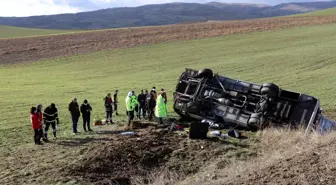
204	73
254	122
198	130
269	89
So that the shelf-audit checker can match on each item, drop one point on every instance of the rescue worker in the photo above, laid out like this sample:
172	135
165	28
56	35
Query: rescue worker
40	119
50	116
160	108
115	101
86	114
150	105
37	127
135	102
108	108
130	106
142	104
75	114
154	92
164	95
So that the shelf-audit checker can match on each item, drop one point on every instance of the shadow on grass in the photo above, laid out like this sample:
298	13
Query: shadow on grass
75	142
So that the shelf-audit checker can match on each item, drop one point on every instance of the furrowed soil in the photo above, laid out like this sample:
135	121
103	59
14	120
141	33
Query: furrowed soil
36	48
113	158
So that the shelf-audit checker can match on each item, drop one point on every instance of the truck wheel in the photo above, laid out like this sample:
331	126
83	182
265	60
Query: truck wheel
204	73
198	130
254	122
269	89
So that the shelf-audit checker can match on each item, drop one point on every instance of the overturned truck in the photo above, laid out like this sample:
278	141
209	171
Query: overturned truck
212	100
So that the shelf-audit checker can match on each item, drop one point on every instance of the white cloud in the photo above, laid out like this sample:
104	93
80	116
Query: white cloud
21	8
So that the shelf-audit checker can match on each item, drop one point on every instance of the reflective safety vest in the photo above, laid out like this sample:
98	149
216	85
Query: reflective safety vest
134	101
160	108
129	106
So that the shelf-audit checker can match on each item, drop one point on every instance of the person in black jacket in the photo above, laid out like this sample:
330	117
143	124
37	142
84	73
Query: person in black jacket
75	114
108	108
50	117
115	102
150	105
86	113
142	104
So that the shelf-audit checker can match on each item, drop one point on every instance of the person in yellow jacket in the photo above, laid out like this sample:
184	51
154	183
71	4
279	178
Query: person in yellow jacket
160	108
131	102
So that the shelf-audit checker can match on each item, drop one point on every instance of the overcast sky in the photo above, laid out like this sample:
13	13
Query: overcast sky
21	8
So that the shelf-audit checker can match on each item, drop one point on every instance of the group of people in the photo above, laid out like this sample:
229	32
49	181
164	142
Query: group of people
49	117
145	105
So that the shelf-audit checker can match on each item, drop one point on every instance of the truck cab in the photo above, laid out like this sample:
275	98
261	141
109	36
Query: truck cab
211	98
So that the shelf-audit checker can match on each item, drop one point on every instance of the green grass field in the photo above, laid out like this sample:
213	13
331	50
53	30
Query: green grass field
16	32
299	59
325	12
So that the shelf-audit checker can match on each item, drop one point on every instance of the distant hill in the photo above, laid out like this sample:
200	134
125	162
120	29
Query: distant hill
162	14
329	11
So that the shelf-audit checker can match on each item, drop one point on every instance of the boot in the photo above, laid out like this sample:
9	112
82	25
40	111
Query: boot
45	138
54	133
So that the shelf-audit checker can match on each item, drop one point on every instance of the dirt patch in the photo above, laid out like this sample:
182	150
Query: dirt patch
124	159
36	48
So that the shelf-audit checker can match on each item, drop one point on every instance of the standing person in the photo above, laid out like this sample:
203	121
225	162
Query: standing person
141	106
37	127
75	114
160	108
86	114
108	108
115	101
130	107
50	116
150	105
40	119
154	92
164	95
135	102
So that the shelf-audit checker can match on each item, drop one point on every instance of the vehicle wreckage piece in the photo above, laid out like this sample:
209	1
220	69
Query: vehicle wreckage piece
210	99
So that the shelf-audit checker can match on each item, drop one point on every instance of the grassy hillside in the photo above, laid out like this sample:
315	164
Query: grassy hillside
14	32
299	59
329	11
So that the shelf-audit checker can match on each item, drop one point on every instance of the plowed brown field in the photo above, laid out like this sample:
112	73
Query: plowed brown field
35	48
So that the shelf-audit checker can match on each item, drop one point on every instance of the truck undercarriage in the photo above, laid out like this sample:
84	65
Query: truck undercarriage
210	100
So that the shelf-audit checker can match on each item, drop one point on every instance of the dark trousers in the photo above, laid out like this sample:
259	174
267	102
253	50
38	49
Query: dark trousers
86	122
74	124
141	108
37	135
150	114
130	117
160	121
116	108
47	125
108	116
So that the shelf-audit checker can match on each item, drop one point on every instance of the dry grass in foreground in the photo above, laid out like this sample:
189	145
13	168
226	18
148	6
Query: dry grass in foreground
285	157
